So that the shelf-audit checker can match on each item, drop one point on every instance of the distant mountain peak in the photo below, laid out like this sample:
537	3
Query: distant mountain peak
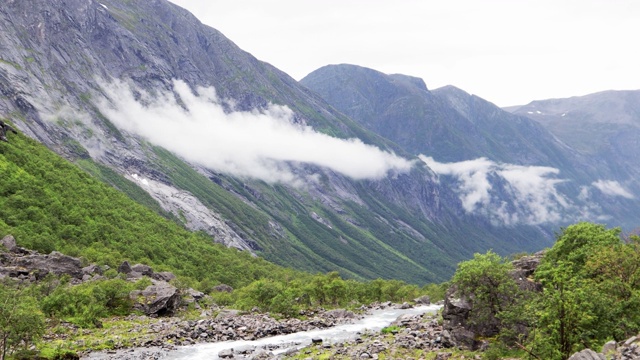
410	80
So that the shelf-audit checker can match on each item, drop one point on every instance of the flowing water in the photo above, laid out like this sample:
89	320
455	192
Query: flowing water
283	343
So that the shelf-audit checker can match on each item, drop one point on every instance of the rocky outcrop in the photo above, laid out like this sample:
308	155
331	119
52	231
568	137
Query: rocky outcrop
457	308
26	265
455	314
158	299
523	269
624	350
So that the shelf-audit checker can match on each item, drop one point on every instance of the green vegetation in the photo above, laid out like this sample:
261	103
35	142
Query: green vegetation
87	303
305	243
590	294
50	204
328	290
21	321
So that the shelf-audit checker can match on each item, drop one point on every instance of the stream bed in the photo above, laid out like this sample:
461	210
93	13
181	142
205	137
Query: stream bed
283	343
275	345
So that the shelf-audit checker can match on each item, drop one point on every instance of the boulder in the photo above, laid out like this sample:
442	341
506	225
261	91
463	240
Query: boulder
527	265
56	263
92	269
587	354
144	270
225	354
9	243
405	305
630	341
523	269
423	300
223	288
160	298
124	268
195	294
340	314
609	347
163	276
456	309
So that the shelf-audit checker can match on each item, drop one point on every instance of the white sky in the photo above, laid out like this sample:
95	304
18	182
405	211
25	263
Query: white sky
509	52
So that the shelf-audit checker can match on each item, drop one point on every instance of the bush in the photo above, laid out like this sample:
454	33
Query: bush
21	322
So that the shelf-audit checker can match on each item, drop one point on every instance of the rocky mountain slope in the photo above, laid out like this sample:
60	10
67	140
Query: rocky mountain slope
445	123
486	151
605	126
85	77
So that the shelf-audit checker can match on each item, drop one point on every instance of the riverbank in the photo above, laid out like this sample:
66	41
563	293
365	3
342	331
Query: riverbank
210	337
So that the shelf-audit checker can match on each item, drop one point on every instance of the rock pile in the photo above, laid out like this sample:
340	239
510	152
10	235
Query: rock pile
625	350
30	266
159	298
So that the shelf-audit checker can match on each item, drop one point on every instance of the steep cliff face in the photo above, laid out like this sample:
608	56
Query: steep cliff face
59	61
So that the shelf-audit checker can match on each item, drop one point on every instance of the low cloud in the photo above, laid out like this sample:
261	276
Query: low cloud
612	188
264	144
505	193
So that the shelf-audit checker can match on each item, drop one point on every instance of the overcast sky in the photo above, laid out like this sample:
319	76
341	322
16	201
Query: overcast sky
507	51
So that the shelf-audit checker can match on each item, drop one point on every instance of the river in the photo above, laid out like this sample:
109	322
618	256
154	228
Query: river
374	321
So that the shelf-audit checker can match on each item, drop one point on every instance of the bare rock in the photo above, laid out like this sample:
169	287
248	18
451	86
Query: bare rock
223	288
609	347
9	243
56	263
92	269
125	268
163	276
587	354
226	354
142	269
158	299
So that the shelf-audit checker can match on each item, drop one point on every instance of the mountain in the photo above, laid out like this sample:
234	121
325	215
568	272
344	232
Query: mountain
506	166
604	126
447	123
143	93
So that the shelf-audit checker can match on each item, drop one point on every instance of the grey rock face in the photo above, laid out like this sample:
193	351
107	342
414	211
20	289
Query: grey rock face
56	263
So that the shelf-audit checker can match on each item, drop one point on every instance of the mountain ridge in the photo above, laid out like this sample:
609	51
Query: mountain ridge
407	225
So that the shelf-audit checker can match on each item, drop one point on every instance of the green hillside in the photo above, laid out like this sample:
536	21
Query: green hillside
49	204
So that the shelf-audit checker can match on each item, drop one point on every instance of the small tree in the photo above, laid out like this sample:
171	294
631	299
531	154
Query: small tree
21	322
573	311
486	282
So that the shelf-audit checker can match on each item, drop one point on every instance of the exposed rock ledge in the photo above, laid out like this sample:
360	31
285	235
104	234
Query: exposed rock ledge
159	298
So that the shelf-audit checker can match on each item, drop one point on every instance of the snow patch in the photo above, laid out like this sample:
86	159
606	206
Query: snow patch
104	6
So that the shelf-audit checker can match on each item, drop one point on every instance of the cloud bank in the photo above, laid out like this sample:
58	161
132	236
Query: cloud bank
507	194
612	188
264	144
